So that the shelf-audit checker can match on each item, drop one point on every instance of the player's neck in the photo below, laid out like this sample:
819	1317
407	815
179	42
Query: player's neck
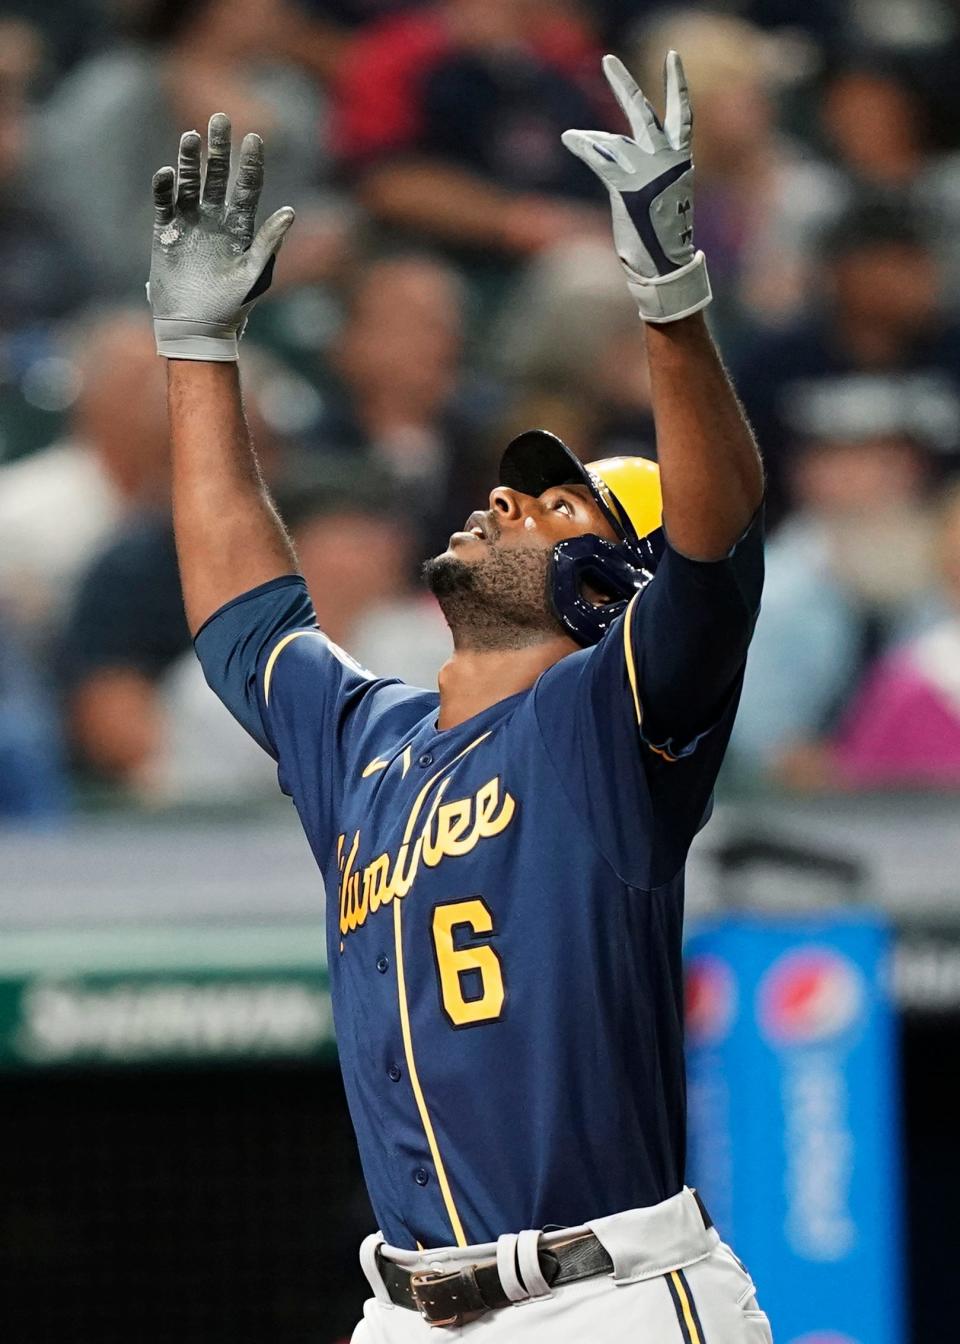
473	680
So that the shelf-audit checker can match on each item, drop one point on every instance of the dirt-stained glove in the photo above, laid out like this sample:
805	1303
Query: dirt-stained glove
207	269
650	181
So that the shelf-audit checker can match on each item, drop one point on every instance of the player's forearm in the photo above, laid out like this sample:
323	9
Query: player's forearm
229	537
710	469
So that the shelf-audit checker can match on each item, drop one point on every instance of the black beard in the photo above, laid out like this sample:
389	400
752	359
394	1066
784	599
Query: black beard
501	602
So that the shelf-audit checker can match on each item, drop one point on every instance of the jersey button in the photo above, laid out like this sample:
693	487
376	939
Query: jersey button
394	1073
383	965
421	1176
425	760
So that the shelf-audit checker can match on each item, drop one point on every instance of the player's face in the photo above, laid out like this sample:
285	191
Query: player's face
492	580
516	521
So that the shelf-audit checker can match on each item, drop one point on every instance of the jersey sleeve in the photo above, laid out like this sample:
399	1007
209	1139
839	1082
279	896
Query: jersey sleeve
280	677
638	725
685	642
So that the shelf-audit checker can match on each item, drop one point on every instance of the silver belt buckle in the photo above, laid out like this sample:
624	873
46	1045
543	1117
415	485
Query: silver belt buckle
417	1281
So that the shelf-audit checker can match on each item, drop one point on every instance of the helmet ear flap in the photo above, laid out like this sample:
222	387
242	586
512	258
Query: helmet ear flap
619	571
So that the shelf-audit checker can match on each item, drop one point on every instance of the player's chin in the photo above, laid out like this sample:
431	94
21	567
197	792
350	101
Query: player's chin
447	573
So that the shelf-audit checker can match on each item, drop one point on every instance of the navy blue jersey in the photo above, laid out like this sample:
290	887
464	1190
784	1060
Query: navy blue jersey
505	898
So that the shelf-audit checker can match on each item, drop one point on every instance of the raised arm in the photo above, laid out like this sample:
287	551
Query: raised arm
710	470
688	636
229	537
207	270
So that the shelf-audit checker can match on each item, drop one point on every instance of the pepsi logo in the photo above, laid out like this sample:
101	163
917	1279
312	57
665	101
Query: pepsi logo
711	999
809	995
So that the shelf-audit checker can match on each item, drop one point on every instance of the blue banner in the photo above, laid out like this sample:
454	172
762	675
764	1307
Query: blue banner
793	1118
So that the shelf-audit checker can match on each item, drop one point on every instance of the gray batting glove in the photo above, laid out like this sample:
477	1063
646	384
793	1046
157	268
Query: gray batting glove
207	269
650	181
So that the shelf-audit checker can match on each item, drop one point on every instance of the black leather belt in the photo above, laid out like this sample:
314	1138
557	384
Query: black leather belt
470	1291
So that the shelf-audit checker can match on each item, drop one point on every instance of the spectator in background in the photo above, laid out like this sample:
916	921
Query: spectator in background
21	56
59	506
824	19
903	727
880	344
120	111
139	711
874	121
877	121
66	31
449	121
400	398
845	577
573	350
32	780
41	277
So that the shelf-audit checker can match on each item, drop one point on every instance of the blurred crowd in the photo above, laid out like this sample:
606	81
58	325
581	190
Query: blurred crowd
450	280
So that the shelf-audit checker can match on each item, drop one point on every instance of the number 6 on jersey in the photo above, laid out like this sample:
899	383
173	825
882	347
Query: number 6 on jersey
471	977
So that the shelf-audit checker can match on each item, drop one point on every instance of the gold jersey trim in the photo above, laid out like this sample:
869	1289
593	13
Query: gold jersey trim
425	1120
268	670
632	677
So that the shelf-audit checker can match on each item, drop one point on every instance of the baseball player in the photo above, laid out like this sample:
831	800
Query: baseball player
503	860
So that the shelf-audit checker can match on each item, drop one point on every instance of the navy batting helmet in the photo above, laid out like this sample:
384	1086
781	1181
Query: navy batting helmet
627	491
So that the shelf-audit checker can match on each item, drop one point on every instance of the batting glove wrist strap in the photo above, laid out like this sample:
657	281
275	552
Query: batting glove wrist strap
667	298
179	339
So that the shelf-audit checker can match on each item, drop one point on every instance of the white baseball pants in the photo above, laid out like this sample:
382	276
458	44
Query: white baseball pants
674	1282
